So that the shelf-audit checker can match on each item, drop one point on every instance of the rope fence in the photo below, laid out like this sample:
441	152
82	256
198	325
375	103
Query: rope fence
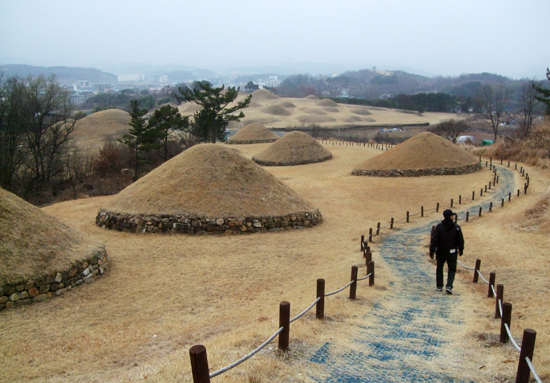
198	355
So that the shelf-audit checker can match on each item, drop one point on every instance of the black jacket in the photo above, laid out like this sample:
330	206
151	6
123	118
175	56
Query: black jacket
447	236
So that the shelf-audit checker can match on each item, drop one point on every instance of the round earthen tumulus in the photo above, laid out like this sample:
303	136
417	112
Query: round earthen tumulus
208	189
294	148
254	133
422	155
40	257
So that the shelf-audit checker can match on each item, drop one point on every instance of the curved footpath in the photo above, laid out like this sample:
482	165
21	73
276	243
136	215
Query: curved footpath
408	337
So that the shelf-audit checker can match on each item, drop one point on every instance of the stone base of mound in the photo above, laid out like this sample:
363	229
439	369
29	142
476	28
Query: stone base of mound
38	290
288	163
178	224
417	172
248	142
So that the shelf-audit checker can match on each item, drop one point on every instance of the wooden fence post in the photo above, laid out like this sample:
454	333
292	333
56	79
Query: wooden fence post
502	203
368	258
460	200
320	306
370	270
378	228
481	192
370	234
509	197
467	216
480	208
353	286
437	208
199	364
506	318
422	211
527	350
451	202
499	297
362	242
476	275
391	223
407	216
518	192
284	321
473	195
490	206
492	277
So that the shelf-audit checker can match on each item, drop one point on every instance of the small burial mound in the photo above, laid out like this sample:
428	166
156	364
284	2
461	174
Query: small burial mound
100	127
327	102
422	155
275	110
41	257
287	104
294	148
262	95
311	97
208	189
254	133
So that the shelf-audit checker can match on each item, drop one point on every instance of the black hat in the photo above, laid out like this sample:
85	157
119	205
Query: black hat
448	213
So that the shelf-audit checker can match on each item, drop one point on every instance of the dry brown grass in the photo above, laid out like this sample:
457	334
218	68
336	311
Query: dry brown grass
275	110
165	293
34	244
262	95
294	148
422	151
97	128
362	112
287	104
327	102
211	181
253	132
534	150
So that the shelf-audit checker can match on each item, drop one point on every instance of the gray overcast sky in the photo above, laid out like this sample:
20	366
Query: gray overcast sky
435	37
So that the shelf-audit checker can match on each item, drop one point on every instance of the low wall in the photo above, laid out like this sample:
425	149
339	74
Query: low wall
38	290
248	142
417	172
196	225
288	163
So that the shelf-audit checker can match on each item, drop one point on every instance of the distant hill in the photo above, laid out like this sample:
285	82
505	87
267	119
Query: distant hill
64	75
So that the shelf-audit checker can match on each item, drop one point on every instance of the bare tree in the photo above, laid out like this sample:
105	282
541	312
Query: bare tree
529	107
493	100
451	129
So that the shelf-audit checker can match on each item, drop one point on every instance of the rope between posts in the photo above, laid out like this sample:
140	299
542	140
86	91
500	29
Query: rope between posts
481	276
494	292
532	370
500	307
365	277
305	311
466	267
337	291
511	337
235	364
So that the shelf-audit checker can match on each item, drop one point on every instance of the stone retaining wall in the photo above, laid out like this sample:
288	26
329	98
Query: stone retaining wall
179	224
288	163
247	142
417	172
38	290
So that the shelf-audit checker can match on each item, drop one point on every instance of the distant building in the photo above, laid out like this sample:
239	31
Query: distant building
163	79
127	77
81	85
272	82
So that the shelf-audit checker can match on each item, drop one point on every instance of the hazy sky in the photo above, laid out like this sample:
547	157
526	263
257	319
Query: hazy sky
432	37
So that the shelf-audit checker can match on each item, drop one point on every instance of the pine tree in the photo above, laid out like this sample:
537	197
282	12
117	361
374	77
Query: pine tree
165	121
141	137
544	94
210	122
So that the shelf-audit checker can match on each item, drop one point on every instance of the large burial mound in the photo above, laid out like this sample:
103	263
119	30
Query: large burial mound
41	257
254	133
208	189
294	148
100	127
423	154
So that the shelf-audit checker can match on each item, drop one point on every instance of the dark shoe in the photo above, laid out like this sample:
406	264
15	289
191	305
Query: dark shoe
439	288
449	290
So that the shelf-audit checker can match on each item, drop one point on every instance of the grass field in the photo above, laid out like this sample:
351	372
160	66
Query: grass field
165	293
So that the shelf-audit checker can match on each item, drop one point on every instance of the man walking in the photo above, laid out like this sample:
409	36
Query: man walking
447	240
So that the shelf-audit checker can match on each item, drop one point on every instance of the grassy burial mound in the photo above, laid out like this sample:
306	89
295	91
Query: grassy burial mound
262	96
208	189
254	133
421	155
41	257
100	127
294	148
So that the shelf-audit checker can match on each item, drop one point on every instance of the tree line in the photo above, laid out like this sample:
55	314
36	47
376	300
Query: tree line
37	121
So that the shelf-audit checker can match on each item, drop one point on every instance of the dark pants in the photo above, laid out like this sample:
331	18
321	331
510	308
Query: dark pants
451	264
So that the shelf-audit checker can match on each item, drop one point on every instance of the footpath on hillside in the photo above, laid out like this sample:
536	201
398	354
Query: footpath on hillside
410	336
